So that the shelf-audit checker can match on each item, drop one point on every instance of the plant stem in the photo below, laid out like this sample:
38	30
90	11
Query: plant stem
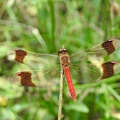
60	96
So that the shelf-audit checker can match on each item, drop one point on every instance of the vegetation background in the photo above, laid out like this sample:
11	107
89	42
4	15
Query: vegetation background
45	26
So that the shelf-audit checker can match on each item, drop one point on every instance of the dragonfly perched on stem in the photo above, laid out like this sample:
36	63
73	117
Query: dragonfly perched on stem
50	65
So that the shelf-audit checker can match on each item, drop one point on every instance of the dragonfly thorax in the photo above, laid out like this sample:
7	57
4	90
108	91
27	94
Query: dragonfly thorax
64	57
65	61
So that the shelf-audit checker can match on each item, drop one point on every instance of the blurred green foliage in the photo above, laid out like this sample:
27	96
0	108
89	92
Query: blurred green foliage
45	26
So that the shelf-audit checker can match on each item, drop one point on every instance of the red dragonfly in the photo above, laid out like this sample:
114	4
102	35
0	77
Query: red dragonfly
80	65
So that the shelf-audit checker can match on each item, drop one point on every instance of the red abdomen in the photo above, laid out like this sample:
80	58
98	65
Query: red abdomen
70	83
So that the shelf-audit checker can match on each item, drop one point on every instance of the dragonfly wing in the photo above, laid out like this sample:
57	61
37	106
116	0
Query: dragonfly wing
101	50
34	60
87	72
46	68
46	78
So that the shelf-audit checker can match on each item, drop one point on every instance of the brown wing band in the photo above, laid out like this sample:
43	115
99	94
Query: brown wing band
108	70
20	55
26	79
108	46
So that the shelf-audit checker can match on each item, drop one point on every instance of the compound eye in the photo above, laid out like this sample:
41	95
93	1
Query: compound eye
59	52
62	51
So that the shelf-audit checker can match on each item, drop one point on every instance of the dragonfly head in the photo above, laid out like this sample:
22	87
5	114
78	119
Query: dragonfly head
62	51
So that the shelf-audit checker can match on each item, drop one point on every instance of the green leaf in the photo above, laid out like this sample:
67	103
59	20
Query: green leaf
78	106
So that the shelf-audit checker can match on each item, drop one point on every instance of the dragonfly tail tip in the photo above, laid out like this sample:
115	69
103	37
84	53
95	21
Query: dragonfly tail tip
74	100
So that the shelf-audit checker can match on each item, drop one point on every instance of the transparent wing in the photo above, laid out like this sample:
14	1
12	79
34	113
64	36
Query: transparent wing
89	71
46	68
42	78
85	72
86	66
34	60
101	50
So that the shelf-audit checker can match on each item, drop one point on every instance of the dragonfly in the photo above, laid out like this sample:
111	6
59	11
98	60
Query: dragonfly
79	67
